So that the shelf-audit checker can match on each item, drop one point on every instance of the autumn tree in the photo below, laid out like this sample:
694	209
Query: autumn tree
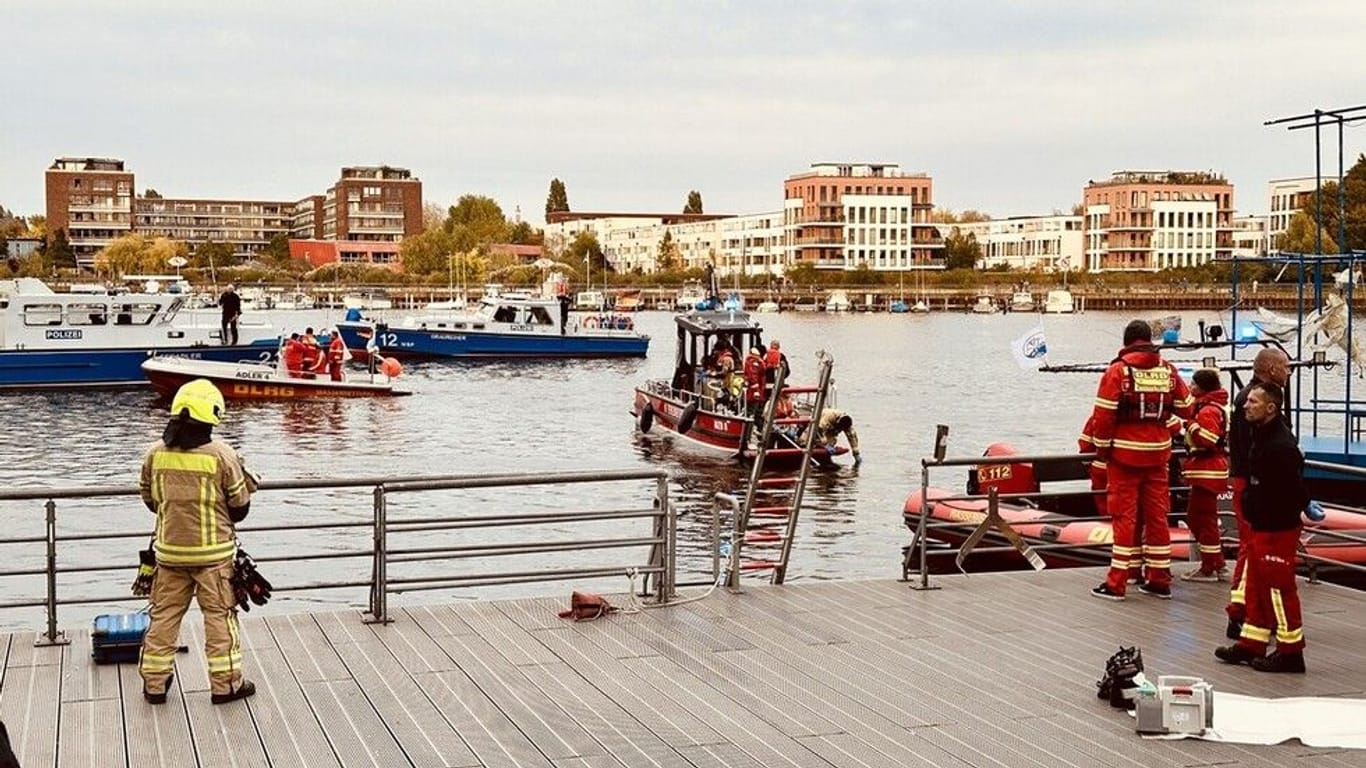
557	200
151	194
433	216
585	249
212	254
59	253
476	221
1354	203
961	251
668	255
11	225
694	204
1298	236
136	253
522	233
427	253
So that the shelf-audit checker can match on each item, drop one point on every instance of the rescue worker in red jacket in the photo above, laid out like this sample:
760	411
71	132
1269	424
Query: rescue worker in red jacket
336	355
756	386
1271	365
1205	470
1095	468
1273	501
293	356
313	357
1137	396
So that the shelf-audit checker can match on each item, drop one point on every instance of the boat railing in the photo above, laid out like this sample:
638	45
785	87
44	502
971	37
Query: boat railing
918	548
409	542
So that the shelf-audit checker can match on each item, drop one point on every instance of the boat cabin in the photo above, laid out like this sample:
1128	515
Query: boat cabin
701	335
36	317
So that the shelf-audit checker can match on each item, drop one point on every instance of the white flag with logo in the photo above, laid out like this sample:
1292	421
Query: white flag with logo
1030	350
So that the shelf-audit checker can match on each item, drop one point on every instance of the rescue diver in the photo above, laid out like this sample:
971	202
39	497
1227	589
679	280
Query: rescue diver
1131	426
199	491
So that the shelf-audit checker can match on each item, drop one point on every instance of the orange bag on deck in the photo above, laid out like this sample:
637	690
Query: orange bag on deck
586	606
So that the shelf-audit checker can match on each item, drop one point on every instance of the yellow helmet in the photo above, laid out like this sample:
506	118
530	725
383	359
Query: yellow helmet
202	399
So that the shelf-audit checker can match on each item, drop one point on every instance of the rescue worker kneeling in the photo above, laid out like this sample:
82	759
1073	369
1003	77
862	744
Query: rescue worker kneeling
198	489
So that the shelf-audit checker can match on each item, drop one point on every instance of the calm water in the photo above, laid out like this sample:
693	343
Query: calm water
898	375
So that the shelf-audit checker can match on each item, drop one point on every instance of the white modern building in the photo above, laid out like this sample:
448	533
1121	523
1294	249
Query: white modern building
1250	236
1286	197
1026	242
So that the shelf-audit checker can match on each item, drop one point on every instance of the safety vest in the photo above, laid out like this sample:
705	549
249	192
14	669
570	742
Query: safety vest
1147	393
191	491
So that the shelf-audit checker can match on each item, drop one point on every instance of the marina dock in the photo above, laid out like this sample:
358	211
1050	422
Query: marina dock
989	670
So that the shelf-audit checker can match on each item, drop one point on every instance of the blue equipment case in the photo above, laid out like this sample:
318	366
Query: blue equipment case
117	637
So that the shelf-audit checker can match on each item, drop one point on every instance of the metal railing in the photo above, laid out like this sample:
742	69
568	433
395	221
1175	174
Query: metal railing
660	565
920	536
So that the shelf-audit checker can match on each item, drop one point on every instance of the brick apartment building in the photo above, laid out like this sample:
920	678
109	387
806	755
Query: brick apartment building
93	200
1152	220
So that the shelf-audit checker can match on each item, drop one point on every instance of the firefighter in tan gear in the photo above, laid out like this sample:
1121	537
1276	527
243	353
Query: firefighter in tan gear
198	489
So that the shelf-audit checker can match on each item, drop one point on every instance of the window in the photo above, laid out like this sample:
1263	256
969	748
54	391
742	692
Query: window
539	316
43	314
87	314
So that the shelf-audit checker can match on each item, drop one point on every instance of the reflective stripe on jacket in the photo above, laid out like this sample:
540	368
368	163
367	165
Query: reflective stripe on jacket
1206	466
191	491
1136	438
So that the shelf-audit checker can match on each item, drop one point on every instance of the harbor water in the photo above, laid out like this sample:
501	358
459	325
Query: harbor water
897	375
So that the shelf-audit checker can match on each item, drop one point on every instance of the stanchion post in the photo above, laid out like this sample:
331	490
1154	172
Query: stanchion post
379	590
52	636
666	582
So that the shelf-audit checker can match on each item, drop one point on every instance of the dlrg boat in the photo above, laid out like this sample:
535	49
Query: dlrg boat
693	405
99	339
263	381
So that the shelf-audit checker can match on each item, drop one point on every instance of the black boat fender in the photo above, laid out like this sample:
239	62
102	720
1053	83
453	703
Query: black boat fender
686	419
647	418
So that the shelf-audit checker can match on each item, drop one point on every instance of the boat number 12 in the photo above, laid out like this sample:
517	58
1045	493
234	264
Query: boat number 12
387	340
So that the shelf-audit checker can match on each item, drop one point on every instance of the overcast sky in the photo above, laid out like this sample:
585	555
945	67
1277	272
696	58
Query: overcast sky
1010	106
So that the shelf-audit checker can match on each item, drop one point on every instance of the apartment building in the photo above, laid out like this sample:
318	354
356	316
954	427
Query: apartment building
630	241
851	215
372	203
91	199
1286	197
1250	236
1152	220
247	225
1026	242
94	200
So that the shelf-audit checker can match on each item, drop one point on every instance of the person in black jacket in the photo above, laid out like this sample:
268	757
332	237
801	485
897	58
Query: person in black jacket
1272	503
231	304
1271	365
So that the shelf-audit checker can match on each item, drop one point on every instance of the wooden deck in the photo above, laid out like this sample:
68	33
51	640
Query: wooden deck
992	670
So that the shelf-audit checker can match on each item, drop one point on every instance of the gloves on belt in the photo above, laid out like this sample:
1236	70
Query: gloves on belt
248	585
147	568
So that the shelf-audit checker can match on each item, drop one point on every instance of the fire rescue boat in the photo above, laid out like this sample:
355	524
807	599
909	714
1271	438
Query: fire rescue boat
701	408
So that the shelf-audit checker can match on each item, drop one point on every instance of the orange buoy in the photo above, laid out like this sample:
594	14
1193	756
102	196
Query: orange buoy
391	367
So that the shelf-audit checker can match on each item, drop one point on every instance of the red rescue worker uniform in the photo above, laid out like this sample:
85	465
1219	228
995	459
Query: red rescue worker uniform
1272	503
756	387
293	356
1095	468
1205	470
1131	426
312	355
336	355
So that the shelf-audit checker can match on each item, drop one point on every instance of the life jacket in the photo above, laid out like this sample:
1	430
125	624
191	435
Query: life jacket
1207	464
1146	393
336	349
